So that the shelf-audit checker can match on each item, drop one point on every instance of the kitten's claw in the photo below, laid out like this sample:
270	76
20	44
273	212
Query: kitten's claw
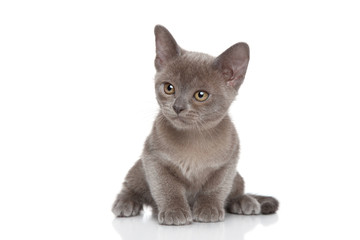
208	213
177	216
126	208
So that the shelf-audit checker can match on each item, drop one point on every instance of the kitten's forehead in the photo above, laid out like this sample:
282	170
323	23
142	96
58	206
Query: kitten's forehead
193	63
192	69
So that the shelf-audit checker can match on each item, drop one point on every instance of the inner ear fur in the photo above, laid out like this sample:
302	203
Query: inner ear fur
233	64
166	47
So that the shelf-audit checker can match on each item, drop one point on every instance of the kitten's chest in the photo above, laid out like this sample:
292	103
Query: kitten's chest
196	154
198	158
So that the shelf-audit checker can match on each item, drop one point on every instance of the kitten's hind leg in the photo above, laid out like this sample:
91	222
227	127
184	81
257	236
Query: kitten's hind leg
248	204
134	194
240	203
126	205
268	204
245	204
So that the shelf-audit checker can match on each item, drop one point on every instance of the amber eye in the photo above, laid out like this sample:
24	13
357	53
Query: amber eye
169	89
201	96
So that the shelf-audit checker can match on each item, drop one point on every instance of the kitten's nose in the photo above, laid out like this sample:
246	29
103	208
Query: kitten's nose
178	109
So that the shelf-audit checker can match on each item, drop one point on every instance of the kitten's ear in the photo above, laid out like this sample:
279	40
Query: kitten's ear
233	64
166	47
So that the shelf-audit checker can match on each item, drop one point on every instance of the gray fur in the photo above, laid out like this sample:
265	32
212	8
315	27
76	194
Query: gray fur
187	171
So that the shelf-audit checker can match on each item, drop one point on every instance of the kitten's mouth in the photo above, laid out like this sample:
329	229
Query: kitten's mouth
180	119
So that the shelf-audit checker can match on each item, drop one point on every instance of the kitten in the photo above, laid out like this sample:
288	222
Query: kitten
187	171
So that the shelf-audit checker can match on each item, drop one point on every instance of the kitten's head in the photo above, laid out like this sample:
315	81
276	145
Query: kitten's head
195	90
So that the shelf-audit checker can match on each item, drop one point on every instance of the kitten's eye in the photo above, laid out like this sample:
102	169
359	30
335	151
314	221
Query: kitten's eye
201	96
169	89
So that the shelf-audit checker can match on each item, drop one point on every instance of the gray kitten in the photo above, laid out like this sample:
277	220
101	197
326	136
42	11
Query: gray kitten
187	171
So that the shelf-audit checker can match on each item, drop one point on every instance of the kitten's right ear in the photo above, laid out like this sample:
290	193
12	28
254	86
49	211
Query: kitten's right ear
233	64
166	47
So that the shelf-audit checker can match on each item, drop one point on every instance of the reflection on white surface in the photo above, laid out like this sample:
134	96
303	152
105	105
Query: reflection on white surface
146	226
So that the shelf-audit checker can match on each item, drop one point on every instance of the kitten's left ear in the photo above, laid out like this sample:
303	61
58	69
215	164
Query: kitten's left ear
166	47
233	64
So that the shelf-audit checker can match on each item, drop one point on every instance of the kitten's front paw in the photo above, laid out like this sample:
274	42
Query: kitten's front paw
208	213
126	208
175	216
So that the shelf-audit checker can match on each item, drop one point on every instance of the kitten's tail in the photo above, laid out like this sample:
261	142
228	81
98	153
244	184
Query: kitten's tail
268	204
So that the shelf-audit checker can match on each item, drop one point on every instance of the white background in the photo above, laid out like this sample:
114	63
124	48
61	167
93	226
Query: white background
77	102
